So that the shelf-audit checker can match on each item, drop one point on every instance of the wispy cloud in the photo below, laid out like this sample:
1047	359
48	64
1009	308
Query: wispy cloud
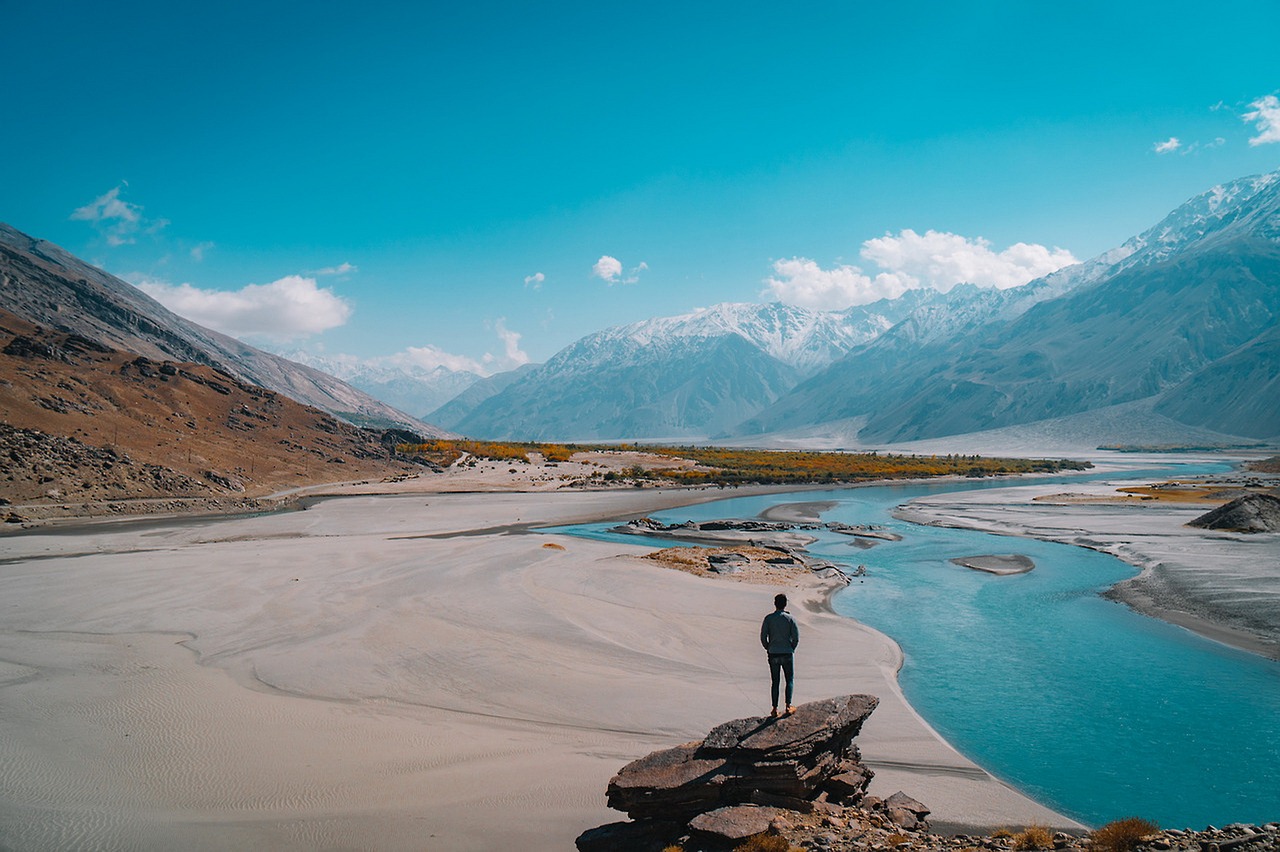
417	359
286	309
1176	145
343	268
512	355
908	261
609	270
119	221
198	250
535	280
1266	119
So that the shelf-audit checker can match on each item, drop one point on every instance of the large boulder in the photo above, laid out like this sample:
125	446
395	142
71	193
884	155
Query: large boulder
783	762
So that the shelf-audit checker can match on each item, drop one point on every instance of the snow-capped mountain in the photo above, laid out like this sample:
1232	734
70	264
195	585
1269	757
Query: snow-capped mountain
683	376
1177	316
1248	207
802	339
404	385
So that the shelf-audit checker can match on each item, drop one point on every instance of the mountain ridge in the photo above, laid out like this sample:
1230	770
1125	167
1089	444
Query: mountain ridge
45	284
1139	320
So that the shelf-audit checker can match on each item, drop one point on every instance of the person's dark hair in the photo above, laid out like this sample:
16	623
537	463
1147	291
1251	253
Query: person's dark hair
780	601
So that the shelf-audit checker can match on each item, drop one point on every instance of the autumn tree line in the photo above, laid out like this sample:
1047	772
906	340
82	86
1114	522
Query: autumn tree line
724	465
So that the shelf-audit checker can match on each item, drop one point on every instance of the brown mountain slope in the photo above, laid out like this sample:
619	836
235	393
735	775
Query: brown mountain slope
86	423
44	284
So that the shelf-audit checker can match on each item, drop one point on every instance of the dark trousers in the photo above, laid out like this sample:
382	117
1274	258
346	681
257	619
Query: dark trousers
778	664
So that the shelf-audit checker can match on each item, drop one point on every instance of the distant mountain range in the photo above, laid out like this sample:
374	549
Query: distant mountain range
43	284
677	377
405	386
1174	333
1190	300
1179	321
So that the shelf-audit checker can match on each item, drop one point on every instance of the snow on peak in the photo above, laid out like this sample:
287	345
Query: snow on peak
804	339
1216	210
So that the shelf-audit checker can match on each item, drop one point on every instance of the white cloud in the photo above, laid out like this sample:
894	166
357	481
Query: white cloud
609	269
343	268
118	220
198	250
1169	146
1266	117
285	309
800	281
430	357
934	259
535	280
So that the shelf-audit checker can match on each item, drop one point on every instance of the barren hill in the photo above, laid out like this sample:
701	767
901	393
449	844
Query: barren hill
44	284
86	423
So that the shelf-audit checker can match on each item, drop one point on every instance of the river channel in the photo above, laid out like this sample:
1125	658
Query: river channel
1081	703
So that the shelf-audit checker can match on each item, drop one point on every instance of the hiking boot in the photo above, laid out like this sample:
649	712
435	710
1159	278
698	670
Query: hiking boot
773	714
791	708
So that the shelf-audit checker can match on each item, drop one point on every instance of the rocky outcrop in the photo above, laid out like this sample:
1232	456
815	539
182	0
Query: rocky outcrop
734	780
1250	513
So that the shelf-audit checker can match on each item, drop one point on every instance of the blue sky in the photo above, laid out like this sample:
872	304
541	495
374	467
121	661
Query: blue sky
478	184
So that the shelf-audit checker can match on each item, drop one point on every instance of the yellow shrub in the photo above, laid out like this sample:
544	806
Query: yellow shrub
765	843
1123	834
1034	837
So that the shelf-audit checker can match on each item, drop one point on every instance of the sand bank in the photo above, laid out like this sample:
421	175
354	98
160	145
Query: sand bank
1000	564
1222	585
367	674
809	512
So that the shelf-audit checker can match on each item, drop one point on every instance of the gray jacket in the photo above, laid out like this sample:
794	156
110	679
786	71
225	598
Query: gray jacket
779	633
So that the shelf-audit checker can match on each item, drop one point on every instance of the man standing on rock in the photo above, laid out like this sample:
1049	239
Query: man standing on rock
779	635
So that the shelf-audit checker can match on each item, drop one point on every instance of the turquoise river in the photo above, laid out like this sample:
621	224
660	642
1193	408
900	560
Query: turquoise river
1095	710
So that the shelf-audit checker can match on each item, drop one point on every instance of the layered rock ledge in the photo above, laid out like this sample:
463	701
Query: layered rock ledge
737	780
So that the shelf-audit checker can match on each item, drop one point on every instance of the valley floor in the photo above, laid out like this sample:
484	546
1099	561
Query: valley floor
397	671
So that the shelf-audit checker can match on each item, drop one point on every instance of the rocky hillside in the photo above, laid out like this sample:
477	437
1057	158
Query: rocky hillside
85	423
43	284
